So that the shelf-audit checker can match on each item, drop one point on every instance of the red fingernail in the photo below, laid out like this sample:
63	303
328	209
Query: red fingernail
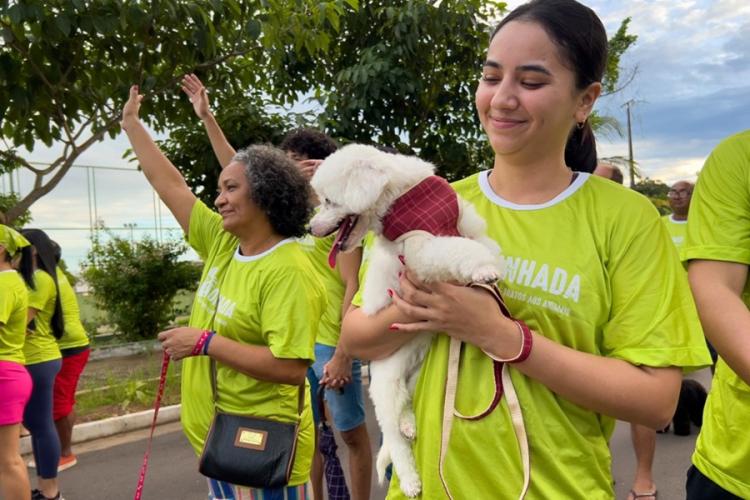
401	258
390	292
393	327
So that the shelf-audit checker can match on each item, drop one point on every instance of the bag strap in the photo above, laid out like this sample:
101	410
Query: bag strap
215	392
504	384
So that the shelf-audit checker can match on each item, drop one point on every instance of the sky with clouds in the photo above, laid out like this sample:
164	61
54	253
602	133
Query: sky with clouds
692	60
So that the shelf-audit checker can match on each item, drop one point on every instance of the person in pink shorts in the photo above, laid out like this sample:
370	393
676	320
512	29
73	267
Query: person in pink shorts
15	382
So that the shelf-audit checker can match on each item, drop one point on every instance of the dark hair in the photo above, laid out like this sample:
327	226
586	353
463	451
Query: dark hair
313	144
579	34
56	251
277	188
45	260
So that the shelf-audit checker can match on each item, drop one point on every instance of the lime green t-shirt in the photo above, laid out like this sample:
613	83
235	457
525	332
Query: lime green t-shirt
317	250
273	299
677	230
75	334
14	301
719	229
41	345
592	269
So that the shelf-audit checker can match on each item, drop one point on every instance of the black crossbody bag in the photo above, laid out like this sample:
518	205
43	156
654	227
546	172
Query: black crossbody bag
250	451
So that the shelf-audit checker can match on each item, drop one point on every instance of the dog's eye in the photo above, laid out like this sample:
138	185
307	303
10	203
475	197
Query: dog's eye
327	201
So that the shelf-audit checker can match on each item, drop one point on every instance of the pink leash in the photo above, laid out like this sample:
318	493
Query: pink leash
157	404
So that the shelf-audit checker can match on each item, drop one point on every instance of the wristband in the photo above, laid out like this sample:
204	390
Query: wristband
526	345
198	348
208	341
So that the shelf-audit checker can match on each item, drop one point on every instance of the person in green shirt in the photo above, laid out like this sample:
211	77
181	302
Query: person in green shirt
43	359
259	301
679	196
333	368
15	381
589	269
75	349
717	250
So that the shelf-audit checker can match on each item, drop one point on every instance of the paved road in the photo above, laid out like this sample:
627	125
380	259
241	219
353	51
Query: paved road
108	469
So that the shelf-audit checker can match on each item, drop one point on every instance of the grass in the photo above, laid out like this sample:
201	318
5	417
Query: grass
117	386
125	385
95	320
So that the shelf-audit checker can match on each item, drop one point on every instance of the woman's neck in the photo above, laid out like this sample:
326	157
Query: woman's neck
5	266
526	183
259	242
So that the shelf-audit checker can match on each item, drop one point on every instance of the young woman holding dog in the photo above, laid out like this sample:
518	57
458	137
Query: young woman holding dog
258	293
589	268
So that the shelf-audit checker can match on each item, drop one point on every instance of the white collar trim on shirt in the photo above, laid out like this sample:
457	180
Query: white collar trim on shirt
8	271
672	219
250	258
484	185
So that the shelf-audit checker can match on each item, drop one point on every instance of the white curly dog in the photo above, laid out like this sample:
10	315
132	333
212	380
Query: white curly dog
405	205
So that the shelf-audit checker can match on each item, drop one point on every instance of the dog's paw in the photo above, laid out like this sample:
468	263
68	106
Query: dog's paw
410	484
484	274
408	426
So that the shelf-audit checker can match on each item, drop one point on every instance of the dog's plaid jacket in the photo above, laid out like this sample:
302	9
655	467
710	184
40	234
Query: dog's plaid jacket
430	206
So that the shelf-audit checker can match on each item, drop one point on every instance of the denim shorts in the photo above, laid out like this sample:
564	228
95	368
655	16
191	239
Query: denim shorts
348	406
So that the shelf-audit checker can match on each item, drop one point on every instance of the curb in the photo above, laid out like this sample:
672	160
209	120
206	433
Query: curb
115	425
118	351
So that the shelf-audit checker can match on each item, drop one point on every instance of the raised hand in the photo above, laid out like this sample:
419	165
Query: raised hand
131	107
196	92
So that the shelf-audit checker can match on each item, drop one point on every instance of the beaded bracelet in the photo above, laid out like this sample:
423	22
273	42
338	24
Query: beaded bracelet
526	345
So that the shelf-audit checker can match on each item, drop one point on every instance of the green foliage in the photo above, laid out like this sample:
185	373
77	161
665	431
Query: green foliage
396	72
189	149
620	42
403	75
136	283
10	200
656	191
65	66
652	188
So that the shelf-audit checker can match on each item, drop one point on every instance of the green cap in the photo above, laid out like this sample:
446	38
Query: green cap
12	240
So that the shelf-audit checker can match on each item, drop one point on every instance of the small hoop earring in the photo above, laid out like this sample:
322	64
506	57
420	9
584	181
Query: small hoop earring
580	125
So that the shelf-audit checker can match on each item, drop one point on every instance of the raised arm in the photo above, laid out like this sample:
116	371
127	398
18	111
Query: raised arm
163	176
717	288
196	92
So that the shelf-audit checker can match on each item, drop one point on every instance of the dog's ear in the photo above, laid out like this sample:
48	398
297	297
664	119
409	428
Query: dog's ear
364	186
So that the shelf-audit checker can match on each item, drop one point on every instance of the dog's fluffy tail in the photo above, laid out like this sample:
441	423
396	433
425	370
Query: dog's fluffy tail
382	462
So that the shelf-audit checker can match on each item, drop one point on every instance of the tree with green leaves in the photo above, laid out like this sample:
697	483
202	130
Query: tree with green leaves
66	65
137	282
8	201
402	74
656	191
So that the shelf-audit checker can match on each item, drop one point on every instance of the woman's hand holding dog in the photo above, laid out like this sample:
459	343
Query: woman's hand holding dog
468	314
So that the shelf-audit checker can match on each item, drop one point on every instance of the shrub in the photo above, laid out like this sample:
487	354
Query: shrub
137	282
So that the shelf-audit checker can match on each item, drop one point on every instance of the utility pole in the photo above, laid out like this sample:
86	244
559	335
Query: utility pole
630	145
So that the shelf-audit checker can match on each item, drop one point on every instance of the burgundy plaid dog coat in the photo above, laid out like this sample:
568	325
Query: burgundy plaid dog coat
430	206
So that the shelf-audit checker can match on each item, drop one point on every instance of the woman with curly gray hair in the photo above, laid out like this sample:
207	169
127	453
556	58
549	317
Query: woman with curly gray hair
259	302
